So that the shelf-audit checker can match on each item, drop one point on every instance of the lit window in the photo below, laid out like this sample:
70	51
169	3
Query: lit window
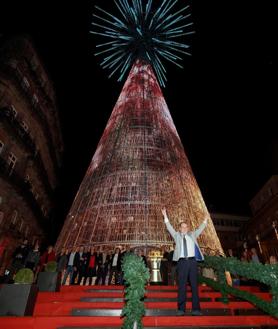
14	111
1	146
24	126
35	194
35	99
14	217
21	225
25	83
11	162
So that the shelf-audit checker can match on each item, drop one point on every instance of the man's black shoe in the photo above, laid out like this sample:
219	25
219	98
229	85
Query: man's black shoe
196	312
180	312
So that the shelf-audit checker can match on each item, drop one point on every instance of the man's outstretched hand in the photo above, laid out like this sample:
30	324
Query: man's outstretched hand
164	213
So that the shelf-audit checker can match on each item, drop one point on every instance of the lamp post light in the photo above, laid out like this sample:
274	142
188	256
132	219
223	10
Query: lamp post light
274	225
259	242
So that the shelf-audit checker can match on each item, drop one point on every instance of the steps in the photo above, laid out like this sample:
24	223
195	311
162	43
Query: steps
95	307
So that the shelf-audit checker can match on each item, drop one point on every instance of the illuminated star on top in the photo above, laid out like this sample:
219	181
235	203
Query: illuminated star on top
143	32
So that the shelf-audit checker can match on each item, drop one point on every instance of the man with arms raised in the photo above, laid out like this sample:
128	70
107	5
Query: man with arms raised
186	253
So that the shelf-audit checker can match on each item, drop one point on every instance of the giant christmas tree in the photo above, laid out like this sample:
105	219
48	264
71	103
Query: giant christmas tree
140	165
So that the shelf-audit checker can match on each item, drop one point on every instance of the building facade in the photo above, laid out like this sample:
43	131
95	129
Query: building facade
229	230
31	144
261	230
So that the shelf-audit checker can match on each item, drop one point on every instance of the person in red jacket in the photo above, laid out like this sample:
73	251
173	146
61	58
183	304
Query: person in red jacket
48	256
92	266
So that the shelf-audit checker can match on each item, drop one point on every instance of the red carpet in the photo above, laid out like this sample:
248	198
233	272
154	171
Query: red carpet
53	310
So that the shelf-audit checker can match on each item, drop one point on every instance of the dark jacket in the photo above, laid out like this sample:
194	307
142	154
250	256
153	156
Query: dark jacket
119	261
76	260
33	257
20	253
62	262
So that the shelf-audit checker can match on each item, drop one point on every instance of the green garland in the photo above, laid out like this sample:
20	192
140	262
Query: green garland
267	274
136	276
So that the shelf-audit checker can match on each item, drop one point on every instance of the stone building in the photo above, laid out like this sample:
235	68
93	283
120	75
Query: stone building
31	144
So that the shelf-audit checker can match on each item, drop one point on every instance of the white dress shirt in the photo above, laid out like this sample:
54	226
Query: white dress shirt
71	258
115	260
190	246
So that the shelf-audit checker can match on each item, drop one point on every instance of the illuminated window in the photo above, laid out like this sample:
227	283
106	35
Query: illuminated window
21	225
14	217
24	126
11	162
25	83
35	99
34	192
1	146
14	111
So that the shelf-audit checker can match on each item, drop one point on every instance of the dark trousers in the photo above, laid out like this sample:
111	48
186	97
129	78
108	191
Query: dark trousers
101	275
82	274
164	272
187	269
90	273
76	272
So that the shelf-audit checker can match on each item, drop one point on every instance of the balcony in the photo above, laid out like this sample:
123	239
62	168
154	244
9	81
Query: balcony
23	188
6	116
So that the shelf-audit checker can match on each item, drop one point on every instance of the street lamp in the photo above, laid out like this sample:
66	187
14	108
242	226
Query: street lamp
259	242
274	225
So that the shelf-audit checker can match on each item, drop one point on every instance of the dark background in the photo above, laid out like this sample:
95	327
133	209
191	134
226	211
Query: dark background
223	103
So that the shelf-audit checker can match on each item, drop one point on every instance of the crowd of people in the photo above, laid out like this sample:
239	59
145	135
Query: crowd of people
251	255
79	265
87	266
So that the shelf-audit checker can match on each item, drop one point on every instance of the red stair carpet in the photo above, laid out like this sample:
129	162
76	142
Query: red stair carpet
99	306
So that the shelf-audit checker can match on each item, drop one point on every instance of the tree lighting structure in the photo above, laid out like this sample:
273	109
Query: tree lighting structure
140	165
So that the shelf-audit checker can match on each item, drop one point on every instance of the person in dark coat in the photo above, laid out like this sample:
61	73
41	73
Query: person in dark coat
20	254
33	258
115	266
103	261
62	260
84	263
77	264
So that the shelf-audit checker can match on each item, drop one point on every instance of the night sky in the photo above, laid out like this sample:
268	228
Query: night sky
222	103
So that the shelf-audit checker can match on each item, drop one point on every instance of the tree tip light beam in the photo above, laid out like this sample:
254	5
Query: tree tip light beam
142	31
